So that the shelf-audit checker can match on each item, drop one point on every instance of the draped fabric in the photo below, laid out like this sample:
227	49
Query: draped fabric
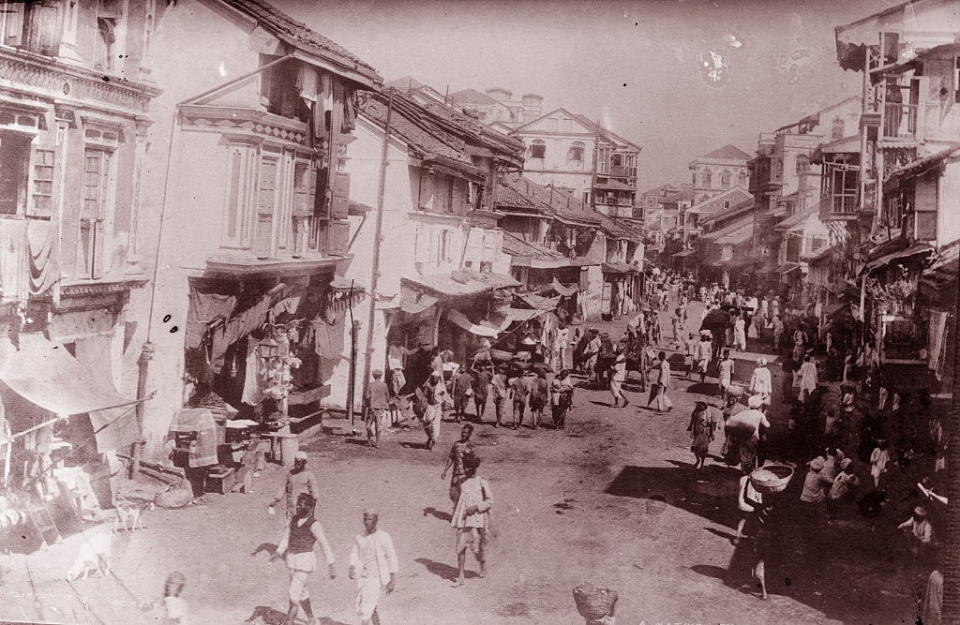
204	308
41	239
13	260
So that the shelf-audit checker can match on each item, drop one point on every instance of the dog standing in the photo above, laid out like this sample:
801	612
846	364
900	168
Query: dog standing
94	555
130	516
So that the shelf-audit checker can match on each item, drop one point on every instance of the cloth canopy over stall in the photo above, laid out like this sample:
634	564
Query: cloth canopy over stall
460	320
564	291
46	375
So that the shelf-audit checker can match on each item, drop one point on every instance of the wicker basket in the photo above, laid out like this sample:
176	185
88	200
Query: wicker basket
593	603
771	479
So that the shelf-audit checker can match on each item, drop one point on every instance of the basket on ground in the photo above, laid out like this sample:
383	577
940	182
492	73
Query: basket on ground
593	603
771	479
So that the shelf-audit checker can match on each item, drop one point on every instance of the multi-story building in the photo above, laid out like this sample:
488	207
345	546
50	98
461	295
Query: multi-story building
75	96
895	198
245	206
574	153
718	171
487	109
442	259
524	109
652	200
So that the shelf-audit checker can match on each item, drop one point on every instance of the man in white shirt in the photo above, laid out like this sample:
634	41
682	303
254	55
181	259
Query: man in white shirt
373	563
299	538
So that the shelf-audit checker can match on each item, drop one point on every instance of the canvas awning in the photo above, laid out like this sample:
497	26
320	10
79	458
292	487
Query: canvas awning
45	374
618	268
535	301
786	268
414	303
460	320
565	291
914	250
685	253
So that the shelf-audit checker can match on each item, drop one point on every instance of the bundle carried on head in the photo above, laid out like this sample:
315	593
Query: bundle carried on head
771	479
594	603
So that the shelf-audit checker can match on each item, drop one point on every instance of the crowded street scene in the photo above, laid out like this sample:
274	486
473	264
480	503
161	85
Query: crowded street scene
632	312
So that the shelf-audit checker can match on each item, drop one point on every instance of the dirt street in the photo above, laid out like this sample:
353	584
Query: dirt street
612	500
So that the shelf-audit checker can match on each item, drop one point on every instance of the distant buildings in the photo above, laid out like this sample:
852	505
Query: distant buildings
719	170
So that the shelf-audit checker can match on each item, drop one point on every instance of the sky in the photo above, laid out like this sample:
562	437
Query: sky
635	66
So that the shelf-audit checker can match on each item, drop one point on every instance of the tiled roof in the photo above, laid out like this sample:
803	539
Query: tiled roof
407	82
736	210
515	246
418	133
471	96
301	35
605	133
686	194
729	152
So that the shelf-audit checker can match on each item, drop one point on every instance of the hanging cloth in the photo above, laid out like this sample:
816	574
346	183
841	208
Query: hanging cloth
40	238
252	388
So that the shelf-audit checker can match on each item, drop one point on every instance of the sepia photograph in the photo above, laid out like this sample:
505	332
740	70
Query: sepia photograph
479	312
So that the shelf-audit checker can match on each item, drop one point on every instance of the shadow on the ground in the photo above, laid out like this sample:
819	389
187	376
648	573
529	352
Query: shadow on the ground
269	548
409	445
442	570
265	615
438	514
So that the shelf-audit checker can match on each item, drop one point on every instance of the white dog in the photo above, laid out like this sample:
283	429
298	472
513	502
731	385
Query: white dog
130	517
94	555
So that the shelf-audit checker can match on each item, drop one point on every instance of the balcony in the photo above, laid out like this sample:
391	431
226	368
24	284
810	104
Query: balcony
900	122
617	171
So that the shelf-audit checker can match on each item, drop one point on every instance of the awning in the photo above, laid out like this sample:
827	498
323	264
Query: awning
685	253
495	280
45	374
618	268
459	319
918	168
914	250
344	284
565	291
414	303
787	268
535	301
454	284
835	309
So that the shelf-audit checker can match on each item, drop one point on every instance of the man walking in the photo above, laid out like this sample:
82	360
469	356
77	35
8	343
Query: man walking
434	394
481	392
519	388
658	392
471	518
460	450
374	565
297	544
377	402
500	392
299	481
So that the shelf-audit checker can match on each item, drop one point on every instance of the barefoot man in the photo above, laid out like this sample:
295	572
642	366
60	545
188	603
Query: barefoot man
302	533
471	517
373	563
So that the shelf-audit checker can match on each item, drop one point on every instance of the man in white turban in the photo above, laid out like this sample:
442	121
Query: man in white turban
760	382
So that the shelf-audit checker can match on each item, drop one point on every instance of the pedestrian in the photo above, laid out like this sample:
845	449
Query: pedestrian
777	331
703	424
481	391
808	378
538	397
815	483
703	354
374	566
725	374
302	533
761	382
740	333
677	323
590	354
690	354
377	402
743	433
658	392
461	449
500	392
749	502
560	345
483	360
462	393
561	396
519	389
878	461
299	481
471	518
435	395
932	610
618	376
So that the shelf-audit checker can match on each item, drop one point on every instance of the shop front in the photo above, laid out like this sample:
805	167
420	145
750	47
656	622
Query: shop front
622	289
61	424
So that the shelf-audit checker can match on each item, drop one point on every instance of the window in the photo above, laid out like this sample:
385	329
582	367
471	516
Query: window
956	79
817	243
725	179
14	156
41	184
538	149
693	177
445	248
743	179
105	48
11	22
803	164
576	151
706	179
266	206
94	210
836	129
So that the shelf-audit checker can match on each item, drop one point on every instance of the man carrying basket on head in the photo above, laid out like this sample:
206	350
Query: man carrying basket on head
743	435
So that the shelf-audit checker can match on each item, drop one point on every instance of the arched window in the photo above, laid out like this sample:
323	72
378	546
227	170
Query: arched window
725	179
538	148
836	129
576	151
706	179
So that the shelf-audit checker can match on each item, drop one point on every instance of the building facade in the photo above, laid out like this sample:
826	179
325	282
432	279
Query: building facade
718	171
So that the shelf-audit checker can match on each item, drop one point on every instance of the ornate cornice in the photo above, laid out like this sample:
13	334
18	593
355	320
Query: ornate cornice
238	120
59	80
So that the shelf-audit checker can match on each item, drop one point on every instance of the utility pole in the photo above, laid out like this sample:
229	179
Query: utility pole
951	548
377	241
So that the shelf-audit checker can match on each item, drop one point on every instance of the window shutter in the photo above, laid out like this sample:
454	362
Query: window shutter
492	240
474	246
43	175
422	252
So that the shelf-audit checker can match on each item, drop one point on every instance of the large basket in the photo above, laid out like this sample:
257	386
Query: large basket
593	603
771	479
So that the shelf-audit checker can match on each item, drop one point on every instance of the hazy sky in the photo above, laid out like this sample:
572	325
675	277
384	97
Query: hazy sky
636	66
